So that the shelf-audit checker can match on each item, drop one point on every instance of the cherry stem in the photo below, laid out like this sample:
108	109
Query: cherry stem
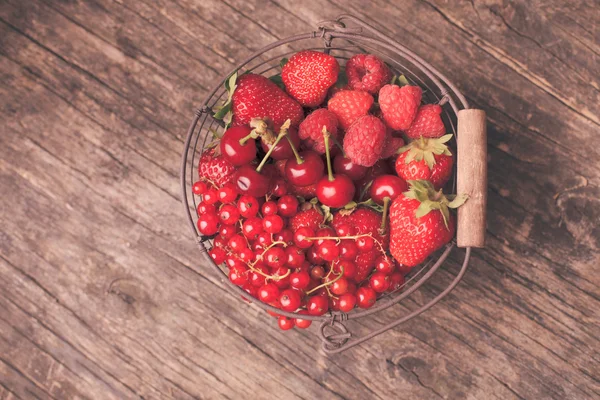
326	136
328	283
299	159
386	206
251	135
266	157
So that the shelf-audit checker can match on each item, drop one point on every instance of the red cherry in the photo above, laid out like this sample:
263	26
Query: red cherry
218	255
287	205
389	186
248	206
269	208
299	280
229	214
199	188
249	181
396	281
384	265
366	297
227	194
208	224
379	282
252	227
304	171
340	286
328	250
285	323
272	223
347	302
238	276
303	323
237	243
301	234
317	305
348	249
345	230
345	166
295	256
275	257
335	192
237	147
282	149
268	293
204	208
365	244
211	196
290	300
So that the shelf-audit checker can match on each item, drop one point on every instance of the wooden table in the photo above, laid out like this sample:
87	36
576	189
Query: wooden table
102	294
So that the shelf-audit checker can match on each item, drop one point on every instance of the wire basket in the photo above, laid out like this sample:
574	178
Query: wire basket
341	38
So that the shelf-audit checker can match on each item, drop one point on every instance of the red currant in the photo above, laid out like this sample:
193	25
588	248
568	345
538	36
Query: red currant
218	255
268	293
287	205
199	188
303	323
269	208
238	276
252	227
285	236
227	194
384	265
246	255
396	281
251	290
229	214
348	266
340	286
257	279
282	283
290	300
317	272
313	257
347	302
365	244
295	256
279	188
365	297
328	250
264	239
272	223
352	287
299	280
227	231
275	257
237	243
334	303
248	206
323	232
211	196
348	250
301	234
317	305
345	230
204	208
379	282
220	241
208	224
285	323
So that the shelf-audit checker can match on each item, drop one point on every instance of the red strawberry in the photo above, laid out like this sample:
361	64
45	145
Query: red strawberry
367	72
350	105
399	105
308	75
421	223
307	192
428	159
257	97
310	218
312	128
214	168
364	140
427	123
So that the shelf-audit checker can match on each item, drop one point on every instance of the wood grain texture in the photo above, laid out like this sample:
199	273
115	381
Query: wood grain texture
101	291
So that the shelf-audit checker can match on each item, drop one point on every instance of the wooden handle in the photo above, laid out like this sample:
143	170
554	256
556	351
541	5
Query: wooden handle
472	177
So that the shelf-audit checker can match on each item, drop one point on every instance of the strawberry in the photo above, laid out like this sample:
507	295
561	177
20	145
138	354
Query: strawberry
312	128
367	72
428	159
213	168
311	218
257	97
306	192
364	140
399	105
350	105
427	123
308	75
421	223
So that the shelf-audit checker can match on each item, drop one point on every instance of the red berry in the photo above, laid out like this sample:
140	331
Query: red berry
339	287
364	140
308	75
229	214
366	297
295	256
257	279
384	265
279	188
268	293
248	206
287	205
211	196
246	255
313	256
317	272
272	223
367	72
347	302
438	172
427	123
252	227
396	281
220	242
204	208
365	244
328	250
311	129
350	105
345	166
208	224
218	255
387	186
285	236
310	218
305	172
264	239
324	232
227	194
199	188
302	323
227	231
348	267
290	300
237	147
284	277
283	150
238	276
299	280
379	282
345	230
215	168
233	262
300	237
237	243
269	208
335	192
251	290
317	305
275	257
285	323
348	249
399	105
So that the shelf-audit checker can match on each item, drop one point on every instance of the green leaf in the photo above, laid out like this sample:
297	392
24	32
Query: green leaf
429	159
459	200
230	83
276	79
222	111
283	61
424	209
446	215
444	139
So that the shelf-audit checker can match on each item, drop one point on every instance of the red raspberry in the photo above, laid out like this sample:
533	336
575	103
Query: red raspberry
367	72
214	168
427	123
349	105
308	75
364	140
312	128
392	144
399	105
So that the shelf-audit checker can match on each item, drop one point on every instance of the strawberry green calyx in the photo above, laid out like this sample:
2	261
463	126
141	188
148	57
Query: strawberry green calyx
430	199
425	148
224	111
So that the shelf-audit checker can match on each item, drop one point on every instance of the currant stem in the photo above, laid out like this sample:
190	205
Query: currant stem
266	157
327	283
386	206
326	136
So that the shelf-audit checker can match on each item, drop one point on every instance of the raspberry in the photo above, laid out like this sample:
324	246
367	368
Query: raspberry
427	123
349	105
399	105
364	140
367	72
312	128
392	144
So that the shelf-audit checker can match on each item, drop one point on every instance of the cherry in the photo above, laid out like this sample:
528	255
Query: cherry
396	281
290	300
384	189
251	182
283	150
268	293
279	187
269	208
334	191
328	250
347	302
211	196
208	224
365	297
227	231
379	282
317	272
365	244
257	279
287	205
252	227
384	265
218	255
304	170
317	305
340	286
227	193
237	243
199	188
285	323
275	257
348	249
295	256
247	206
238	276
238	145
204	208
229	214
302	323
300	237
345	230
344	166
285	236
348	267
299	280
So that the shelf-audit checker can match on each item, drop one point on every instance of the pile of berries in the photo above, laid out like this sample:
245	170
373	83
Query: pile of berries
324	190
